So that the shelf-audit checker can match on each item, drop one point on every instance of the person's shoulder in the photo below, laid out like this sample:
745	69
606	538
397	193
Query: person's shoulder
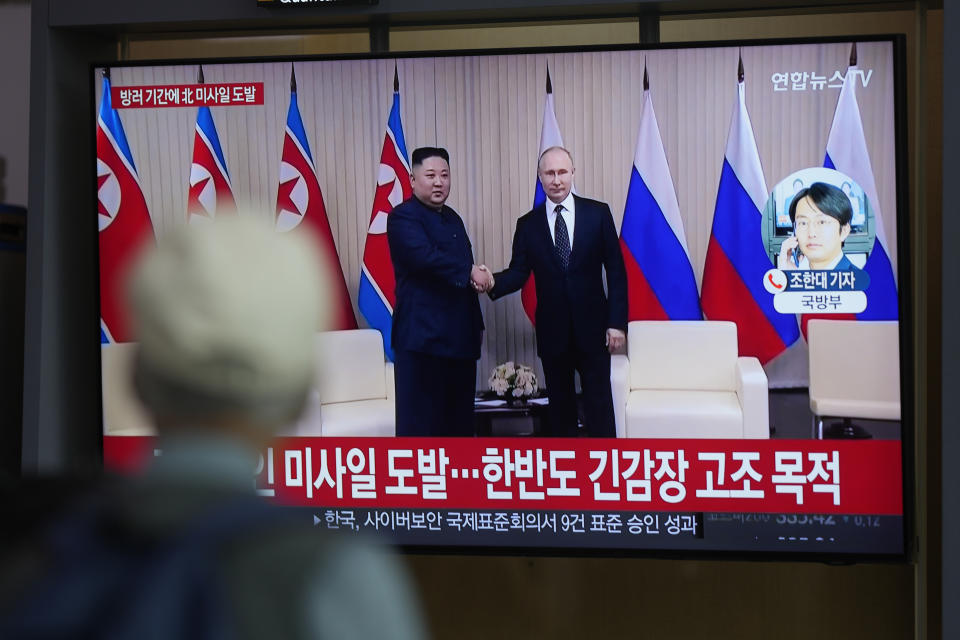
407	211
846	265
408	206
590	203
448	210
532	214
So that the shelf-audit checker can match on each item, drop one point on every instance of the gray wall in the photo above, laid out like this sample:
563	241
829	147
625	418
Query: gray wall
14	151
15	105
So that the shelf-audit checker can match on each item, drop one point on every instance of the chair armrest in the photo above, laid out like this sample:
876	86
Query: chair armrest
754	398
620	387
391	389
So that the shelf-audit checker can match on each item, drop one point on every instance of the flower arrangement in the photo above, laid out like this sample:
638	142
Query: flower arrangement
513	381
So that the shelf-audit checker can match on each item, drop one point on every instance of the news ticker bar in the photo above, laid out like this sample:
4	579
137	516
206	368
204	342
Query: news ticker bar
754	532
664	475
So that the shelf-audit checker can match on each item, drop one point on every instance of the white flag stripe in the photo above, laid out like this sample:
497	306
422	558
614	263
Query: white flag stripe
651	163
550	130
216	160
742	153
847	147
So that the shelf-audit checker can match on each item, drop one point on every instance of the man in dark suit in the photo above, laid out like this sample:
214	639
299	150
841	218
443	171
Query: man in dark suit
568	242
437	324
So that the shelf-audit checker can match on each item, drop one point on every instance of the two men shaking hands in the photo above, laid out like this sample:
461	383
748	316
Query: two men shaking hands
568	243
481	279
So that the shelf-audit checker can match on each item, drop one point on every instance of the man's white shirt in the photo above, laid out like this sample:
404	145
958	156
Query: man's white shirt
569	217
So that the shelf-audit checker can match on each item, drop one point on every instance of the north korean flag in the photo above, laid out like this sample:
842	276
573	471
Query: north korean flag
300	203
123	218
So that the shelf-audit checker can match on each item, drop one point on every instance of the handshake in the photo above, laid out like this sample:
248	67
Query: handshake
481	279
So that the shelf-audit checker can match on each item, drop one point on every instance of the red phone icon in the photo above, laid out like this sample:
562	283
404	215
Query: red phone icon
775	285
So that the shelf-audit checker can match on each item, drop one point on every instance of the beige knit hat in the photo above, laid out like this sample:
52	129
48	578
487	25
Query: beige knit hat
226	314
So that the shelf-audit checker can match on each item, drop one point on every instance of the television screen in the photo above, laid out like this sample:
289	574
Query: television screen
685	259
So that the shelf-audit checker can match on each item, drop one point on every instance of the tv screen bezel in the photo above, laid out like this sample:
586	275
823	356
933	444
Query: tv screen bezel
904	282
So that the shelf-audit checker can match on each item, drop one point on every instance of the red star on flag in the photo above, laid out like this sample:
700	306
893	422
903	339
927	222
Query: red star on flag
193	198
381	199
284	201
100	208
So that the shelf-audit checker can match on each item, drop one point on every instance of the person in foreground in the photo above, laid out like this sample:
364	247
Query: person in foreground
821	216
437	323
226	316
568	242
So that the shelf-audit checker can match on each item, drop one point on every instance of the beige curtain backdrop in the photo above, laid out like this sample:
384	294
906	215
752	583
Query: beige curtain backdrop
487	112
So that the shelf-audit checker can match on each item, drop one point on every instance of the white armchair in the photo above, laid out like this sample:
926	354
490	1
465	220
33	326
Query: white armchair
123	413
353	395
355	384
620	387
854	372
687	381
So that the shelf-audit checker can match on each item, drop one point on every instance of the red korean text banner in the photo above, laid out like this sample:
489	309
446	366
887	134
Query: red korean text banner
187	95
756	476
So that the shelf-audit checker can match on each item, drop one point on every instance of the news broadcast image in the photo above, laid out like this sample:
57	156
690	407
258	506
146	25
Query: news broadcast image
755	207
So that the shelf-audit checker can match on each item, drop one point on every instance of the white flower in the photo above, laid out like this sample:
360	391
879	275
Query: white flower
518	380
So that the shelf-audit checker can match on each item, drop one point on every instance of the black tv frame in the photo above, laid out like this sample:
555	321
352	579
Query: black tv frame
904	288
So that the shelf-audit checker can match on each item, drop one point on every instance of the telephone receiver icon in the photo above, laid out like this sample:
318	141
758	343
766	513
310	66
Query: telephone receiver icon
772	283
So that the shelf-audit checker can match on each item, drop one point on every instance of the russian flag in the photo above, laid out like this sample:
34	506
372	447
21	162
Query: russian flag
549	137
847	153
210	192
736	261
661	284
122	216
377	294
299	200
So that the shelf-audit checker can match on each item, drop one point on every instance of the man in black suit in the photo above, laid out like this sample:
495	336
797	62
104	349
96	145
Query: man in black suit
568	242
437	324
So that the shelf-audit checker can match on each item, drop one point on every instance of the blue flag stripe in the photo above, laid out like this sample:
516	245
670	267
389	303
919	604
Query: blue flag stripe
205	122
295	124
539	195
394	124
659	253
736	226
882	300
113	123
376	313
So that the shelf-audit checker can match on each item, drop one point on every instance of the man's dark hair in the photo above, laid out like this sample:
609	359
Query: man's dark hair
421	154
828	198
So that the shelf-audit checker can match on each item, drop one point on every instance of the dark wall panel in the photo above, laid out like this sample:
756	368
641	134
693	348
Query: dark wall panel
61	406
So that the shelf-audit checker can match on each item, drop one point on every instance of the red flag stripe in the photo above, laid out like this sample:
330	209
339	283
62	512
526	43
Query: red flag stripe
736	304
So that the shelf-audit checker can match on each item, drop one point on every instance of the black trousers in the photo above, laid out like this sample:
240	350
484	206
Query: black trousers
434	394
594	369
